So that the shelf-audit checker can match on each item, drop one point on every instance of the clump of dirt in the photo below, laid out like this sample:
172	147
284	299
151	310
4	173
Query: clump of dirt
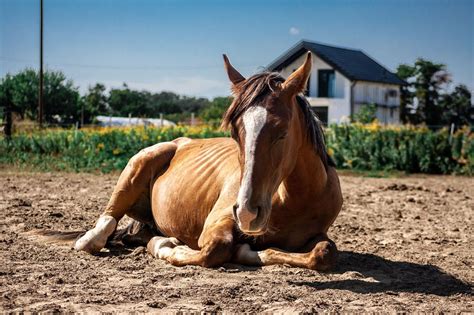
406	244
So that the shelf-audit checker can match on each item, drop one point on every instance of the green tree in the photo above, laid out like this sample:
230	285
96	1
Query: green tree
124	101
165	103
61	97
427	81
406	72
457	107
216	109
94	102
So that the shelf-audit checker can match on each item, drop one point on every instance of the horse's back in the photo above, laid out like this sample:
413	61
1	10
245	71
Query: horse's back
186	192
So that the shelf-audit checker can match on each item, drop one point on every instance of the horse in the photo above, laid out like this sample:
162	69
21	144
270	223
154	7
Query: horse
266	195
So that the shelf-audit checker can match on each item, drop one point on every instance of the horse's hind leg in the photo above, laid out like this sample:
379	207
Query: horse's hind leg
136	233
319	254
134	183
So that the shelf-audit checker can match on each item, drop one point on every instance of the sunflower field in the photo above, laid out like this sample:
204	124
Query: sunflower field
371	147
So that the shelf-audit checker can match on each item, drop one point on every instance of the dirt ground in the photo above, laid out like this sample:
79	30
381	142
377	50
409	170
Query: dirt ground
406	244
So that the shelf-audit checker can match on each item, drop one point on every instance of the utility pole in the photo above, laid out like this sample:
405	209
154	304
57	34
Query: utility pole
41	83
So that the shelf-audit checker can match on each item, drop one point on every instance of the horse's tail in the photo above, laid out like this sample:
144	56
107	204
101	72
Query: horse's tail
133	234
64	238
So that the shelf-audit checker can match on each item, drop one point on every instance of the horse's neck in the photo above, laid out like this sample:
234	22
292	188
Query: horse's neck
308	178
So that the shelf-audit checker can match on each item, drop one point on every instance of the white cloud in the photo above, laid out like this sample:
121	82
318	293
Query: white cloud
294	30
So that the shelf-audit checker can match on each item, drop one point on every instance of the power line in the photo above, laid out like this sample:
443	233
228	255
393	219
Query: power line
138	67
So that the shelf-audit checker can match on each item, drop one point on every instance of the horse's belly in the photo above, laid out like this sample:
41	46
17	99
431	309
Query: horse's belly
185	194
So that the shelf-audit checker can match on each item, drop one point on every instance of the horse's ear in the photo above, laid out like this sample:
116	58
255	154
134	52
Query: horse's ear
234	76
296	82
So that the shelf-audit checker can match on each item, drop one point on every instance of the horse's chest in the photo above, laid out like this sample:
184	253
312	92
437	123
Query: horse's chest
292	232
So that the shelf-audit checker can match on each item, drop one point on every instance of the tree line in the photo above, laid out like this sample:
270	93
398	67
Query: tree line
63	104
424	99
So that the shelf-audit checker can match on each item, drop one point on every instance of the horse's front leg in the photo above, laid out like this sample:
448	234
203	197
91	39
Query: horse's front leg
216	246
133	184
321	257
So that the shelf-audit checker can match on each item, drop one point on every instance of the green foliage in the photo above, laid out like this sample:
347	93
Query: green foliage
125	101
425	100
413	150
457	108
61	97
63	103
355	147
215	111
99	149
95	103
366	114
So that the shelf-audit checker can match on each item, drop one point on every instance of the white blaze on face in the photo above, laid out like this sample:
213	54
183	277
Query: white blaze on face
254	119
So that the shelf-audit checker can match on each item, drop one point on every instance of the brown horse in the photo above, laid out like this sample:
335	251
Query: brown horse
268	195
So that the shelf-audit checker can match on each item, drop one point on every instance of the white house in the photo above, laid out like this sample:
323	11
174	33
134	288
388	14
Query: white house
343	80
108	121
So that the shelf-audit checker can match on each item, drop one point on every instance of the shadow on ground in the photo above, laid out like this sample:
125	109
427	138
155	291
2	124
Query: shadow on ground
372	274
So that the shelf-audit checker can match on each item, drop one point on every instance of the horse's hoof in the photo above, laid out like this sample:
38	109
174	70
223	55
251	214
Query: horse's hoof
161	247
324	256
94	240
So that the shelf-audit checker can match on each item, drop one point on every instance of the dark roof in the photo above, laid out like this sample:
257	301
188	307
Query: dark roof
353	64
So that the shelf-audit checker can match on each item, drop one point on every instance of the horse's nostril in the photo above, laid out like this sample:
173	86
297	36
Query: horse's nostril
258	209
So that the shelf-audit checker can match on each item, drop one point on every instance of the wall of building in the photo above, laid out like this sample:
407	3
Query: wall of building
339	105
384	114
339	108
379	93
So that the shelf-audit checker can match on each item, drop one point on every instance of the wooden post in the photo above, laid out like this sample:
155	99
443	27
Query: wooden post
40	97
451	132
7	114
82	115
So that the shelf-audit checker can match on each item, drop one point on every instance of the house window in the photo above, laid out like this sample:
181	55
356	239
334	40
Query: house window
326	83
322	113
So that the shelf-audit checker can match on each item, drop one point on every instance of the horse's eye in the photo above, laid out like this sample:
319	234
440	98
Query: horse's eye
281	137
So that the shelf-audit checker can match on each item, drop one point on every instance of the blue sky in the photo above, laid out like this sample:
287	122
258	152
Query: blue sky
177	45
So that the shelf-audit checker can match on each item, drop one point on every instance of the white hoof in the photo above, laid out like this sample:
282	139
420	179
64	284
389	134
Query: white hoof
94	240
161	247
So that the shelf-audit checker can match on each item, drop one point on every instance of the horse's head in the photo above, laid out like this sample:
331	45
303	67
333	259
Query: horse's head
264	121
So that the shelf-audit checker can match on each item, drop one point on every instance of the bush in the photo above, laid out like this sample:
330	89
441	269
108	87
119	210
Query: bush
356	146
95	149
366	114
404	148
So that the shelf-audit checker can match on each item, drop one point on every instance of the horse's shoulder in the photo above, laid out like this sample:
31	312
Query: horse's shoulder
183	142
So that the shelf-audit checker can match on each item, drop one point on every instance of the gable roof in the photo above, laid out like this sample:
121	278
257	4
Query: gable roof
353	64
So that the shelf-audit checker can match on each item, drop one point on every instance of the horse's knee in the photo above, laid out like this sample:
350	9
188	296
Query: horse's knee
217	253
324	255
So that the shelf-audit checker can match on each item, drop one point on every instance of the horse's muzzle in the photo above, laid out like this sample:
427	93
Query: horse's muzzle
250	220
